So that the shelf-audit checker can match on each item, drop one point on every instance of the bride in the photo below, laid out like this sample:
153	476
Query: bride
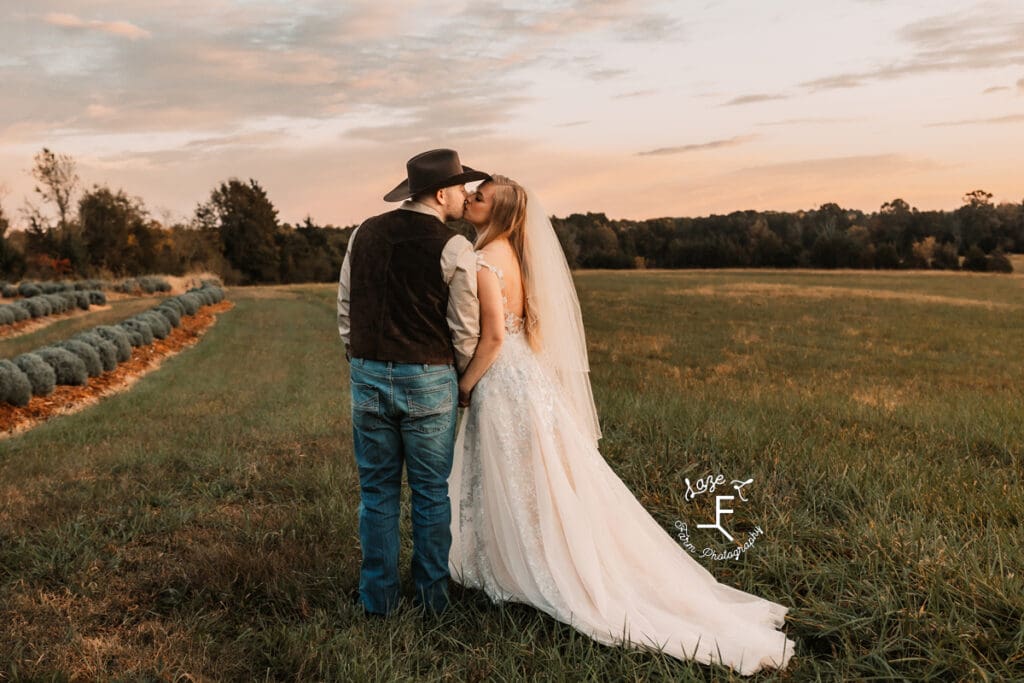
538	517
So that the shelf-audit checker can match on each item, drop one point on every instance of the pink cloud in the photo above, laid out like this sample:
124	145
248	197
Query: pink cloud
117	28
297	66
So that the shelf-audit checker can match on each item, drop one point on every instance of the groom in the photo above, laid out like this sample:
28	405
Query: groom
408	314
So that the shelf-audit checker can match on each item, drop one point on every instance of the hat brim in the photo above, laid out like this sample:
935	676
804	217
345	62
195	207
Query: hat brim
403	191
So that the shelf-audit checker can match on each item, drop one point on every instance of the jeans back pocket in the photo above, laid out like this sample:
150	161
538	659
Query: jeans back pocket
365	398
430	408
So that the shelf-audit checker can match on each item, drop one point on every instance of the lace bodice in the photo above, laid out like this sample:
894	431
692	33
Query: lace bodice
513	323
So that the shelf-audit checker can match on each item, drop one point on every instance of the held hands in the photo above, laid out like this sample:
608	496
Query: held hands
464	394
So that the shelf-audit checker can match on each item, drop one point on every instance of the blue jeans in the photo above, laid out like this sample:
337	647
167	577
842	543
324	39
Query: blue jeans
403	412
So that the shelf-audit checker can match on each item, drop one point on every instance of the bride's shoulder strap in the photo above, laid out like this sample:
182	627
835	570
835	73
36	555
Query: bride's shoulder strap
481	262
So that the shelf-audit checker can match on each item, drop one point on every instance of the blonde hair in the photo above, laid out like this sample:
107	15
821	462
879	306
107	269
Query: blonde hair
508	220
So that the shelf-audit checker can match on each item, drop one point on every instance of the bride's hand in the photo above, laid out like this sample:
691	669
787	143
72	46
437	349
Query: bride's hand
464	396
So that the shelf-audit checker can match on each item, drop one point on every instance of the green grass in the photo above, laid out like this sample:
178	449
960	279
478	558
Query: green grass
204	523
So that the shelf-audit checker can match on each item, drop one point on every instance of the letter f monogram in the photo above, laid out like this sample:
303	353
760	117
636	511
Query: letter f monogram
719	511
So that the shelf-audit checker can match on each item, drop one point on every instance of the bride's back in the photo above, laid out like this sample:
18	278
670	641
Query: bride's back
500	254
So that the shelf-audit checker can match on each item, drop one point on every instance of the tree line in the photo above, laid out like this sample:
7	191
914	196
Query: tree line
106	233
976	236
235	233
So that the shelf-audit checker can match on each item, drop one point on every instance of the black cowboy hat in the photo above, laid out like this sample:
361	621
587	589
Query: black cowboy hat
431	171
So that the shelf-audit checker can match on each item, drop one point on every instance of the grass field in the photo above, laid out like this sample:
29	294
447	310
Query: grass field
203	525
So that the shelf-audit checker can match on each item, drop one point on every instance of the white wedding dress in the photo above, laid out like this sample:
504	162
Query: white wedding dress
538	517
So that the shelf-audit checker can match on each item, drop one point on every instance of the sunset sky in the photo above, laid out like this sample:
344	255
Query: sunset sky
635	109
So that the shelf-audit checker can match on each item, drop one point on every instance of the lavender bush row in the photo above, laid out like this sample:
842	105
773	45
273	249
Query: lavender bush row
145	284
43	305
29	288
93	352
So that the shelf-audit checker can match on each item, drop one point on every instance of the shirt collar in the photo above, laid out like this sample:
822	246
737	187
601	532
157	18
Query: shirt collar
418	207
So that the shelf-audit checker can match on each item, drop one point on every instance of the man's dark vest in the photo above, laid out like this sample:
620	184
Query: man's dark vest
399	299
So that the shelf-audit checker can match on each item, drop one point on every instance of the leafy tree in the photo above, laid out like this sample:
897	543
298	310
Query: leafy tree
863	251
115	231
997	262
975	259
1018	229
566	232
596	239
194	249
832	249
57	178
57	181
946	257
12	261
312	253
1011	220
40	238
246	223
834	215
886	256
901	225
979	222
924	252
896	207
835	246
766	247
